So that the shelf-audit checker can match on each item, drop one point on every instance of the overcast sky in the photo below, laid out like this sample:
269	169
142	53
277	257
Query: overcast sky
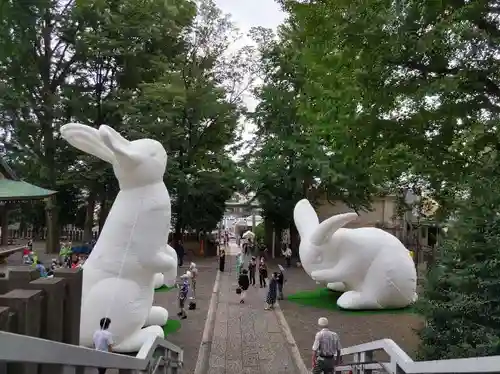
247	14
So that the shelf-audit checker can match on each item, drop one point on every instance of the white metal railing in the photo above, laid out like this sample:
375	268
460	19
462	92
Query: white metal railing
400	363
155	354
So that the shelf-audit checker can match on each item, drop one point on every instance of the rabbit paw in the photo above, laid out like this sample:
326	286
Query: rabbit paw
356	301
158	280
336	286
157	316
134	342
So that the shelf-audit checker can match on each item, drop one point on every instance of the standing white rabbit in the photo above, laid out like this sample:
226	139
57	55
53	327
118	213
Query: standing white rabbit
372	266
119	273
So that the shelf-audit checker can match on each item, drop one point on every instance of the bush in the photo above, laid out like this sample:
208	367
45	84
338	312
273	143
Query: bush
461	298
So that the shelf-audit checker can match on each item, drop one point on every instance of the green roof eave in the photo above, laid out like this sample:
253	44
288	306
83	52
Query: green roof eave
19	190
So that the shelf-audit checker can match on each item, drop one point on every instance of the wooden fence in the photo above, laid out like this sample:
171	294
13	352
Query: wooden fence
75	235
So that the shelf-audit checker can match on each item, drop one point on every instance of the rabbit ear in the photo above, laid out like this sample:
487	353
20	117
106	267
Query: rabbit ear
118	145
306	219
86	139
328	227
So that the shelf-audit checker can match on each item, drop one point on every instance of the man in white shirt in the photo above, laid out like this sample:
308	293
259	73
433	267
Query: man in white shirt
103	339
288	256
326	349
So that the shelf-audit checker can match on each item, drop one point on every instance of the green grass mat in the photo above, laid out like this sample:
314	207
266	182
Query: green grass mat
172	326
164	289
323	298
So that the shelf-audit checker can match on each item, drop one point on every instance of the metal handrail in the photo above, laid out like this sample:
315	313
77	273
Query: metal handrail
43	351
400	362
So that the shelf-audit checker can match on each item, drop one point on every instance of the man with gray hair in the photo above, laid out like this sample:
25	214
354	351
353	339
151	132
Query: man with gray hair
326	345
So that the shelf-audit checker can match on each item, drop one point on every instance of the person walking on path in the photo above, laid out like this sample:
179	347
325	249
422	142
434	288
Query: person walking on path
272	292
179	248
103	340
281	281
222	259
252	267
326	349
244	283
262	272
287	253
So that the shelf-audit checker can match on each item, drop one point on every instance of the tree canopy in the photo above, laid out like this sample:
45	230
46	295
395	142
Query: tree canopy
148	69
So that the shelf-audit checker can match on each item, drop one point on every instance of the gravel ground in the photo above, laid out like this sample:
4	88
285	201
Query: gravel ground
188	337
353	329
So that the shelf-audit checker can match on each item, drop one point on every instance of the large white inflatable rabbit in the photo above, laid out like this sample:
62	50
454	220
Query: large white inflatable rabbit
119	274
167	278
372	266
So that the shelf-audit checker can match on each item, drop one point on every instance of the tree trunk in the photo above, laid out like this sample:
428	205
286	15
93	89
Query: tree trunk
277	242
89	216
294	239
268	233
52	240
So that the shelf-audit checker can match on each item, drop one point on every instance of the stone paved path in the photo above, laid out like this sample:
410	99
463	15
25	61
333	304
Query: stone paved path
246	339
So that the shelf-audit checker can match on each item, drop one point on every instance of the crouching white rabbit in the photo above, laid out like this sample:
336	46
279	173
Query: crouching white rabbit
372	266
119	274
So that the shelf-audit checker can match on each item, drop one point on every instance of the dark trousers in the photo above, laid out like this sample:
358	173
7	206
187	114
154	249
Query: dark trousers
288	261
180	260
280	291
252	278
324	366
101	370
262	279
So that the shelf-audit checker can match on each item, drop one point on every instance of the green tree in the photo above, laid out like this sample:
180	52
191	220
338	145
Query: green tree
294	155
197	111
78	61
416	81
460	302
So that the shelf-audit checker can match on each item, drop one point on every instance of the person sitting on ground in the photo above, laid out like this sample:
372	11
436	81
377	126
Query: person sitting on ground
183	294
326	345
53	266
75	261
27	260
34	258
103	340
41	269
244	283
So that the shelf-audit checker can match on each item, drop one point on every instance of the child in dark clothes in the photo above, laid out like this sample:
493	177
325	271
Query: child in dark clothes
244	283
252	266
